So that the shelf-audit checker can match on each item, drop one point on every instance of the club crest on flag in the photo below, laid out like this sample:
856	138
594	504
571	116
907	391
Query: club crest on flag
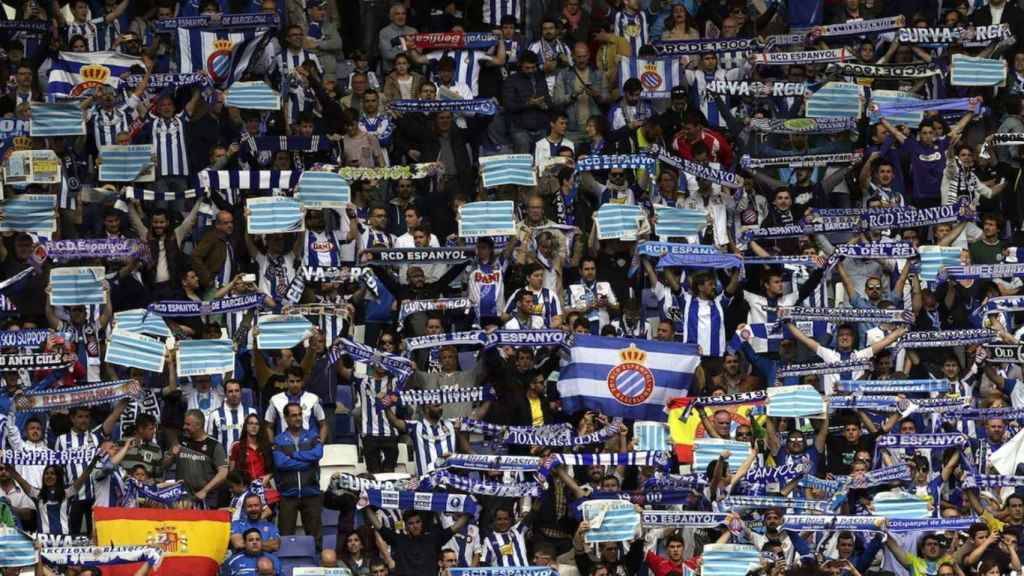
630	382
93	76
167	538
218	63
650	78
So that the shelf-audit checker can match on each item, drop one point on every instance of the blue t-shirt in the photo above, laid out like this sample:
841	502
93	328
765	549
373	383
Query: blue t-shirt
268	531
242	564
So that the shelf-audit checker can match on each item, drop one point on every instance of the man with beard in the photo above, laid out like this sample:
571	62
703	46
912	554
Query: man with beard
167	264
433	437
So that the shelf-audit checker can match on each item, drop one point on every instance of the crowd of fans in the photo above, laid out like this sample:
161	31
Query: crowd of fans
556	76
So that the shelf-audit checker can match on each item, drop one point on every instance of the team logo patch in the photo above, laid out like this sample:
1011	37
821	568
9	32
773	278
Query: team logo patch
650	79
631	382
218	63
93	76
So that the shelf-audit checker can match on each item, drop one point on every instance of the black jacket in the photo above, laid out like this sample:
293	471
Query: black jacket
515	93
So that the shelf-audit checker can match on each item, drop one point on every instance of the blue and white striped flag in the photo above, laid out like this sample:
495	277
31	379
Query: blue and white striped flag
486	219
630	379
729	559
836	100
678	222
60	119
657	76
707	450
248	179
140	322
136	193
275	215
77	286
969	71
505	169
133	163
135	351
77	74
253	96
618	221
29	213
318	190
799	401
610	520
281	331
16	549
651	436
197	357
225	56
934	258
900	505
893	98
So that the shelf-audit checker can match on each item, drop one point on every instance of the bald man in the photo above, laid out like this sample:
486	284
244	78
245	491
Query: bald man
215	257
328	558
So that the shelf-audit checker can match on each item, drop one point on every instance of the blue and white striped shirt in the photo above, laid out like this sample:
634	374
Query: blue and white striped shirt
170	143
373	421
504	549
74	440
227	424
700	321
431	442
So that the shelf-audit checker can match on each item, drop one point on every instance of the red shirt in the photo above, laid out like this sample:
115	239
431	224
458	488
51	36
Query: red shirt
718	148
661	566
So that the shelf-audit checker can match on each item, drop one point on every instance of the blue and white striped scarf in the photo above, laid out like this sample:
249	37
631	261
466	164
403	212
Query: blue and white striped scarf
396	365
1005	413
877	250
766	502
673	519
804	369
877	477
700	171
802	523
599	162
345	481
890	404
482	106
825	226
482	487
920	440
491	462
798	161
845	314
446	395
1000	304
979	271
101	555
892	386
914	218
945	338
176	308
423	501
658	459
550	435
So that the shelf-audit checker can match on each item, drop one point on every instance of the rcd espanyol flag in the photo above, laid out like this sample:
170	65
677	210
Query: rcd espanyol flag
77	74
224	55
632	379
658	76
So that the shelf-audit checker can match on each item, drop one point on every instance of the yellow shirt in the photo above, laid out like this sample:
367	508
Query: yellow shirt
536	412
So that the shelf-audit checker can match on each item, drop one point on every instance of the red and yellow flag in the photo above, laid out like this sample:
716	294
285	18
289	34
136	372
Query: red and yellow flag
194	542
685	431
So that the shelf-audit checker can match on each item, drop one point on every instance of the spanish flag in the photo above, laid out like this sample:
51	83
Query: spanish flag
194	542
685	431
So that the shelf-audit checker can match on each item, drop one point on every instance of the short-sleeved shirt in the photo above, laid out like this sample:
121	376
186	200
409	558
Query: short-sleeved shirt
267	529
199	461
